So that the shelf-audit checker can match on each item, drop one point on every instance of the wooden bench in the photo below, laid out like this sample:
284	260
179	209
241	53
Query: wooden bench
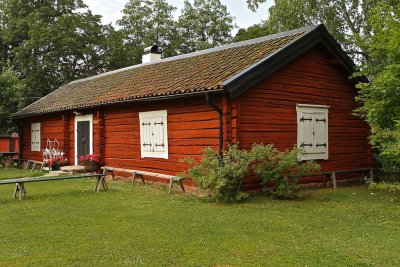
20	182
332	175
19	162
33	163
140	174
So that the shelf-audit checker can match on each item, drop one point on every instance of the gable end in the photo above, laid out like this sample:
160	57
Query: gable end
259	71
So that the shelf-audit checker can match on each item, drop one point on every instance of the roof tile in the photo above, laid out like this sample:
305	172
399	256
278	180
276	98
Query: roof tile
200	71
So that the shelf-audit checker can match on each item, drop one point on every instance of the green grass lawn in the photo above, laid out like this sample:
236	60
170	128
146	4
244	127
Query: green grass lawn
6	173
65	223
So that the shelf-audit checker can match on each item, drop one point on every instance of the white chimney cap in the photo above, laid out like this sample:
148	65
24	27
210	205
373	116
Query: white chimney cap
151	53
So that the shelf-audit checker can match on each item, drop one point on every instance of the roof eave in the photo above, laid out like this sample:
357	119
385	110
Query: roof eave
218	91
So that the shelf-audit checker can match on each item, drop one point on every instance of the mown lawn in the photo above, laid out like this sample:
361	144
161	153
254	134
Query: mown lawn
65	223
6	173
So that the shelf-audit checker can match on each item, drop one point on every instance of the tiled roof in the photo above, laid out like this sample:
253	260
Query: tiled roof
201	71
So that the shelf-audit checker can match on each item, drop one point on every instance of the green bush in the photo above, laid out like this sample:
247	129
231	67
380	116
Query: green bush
222	178
279	170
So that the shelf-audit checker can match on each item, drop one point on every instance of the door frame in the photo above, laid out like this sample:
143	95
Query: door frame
88	117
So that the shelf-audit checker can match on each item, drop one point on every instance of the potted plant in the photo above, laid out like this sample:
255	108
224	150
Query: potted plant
91	162
56	162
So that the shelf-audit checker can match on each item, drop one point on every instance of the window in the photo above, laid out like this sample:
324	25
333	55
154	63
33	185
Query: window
312	131
153	134
35	137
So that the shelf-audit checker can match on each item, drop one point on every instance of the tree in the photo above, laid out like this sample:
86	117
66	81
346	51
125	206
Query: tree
257	30
11	98
50	43
204	24
347	20
144	23
381	96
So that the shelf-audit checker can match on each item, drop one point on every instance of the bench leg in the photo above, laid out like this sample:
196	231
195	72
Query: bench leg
326	177
371	174
20	190
170	186
181	185
15	191
333	177
142	179
101	181
133	178
106	172
104	183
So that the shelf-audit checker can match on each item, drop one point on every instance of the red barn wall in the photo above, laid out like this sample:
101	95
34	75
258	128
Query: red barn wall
267	112
192	126
51	127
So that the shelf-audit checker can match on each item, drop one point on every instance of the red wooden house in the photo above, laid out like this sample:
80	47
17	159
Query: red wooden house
285	89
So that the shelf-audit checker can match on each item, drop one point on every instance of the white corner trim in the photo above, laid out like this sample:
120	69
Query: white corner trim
88	117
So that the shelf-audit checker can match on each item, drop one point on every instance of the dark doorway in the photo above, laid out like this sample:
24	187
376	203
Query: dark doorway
83	138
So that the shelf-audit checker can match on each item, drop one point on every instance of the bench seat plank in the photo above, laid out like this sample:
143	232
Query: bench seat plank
172	179
20	182
44	178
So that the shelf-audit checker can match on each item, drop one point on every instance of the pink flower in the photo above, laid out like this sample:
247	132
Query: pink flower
89	159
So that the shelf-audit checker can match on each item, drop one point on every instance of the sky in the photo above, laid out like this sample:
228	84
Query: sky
111	10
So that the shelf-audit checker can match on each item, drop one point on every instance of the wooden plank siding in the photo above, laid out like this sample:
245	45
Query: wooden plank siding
192	126
268	111
51	127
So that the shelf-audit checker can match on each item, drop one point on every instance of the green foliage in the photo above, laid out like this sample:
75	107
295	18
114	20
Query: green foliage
257	30
347	20
201	24
381	96
11	99
204	24
385	186
147	22
50	43
221	178
279	170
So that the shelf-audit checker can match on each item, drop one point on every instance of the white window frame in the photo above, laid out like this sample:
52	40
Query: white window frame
312	109
152	114
88	117
36	147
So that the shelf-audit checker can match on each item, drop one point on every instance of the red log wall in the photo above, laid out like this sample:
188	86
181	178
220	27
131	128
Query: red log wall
268	111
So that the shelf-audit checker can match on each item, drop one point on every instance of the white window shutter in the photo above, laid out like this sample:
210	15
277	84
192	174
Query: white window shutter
312	131
35	137
153	134
146	141
320	129
305	122
158	129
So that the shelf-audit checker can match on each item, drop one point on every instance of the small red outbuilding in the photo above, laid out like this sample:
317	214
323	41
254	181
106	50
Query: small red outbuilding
283	89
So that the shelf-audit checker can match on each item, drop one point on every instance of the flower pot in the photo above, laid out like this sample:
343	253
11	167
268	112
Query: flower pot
91	167
55	167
